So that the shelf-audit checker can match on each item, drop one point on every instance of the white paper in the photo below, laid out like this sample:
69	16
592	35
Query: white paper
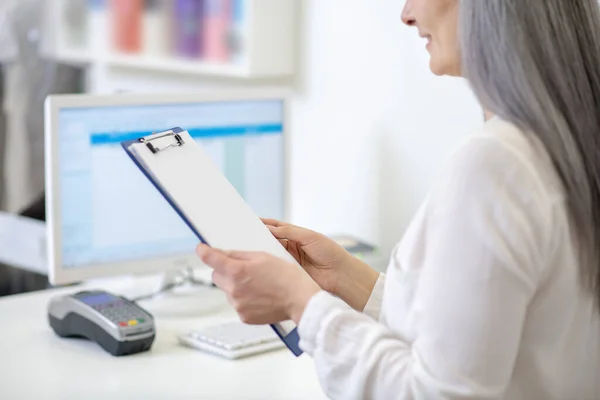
203	194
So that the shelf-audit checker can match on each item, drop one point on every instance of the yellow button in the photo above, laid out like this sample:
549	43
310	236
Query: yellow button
132	322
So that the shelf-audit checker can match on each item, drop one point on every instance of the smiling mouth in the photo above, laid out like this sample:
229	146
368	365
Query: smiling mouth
427	38
428	43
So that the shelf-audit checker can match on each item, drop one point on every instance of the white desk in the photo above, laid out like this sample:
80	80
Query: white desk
36	364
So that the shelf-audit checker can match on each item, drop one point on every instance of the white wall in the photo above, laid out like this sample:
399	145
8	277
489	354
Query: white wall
370	124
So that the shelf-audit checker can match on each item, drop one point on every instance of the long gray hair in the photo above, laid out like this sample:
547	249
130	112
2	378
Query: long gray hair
536	63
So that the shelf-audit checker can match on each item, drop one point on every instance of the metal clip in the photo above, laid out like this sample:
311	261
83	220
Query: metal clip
176	142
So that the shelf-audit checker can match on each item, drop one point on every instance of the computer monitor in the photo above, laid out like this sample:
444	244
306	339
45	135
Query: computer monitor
105	218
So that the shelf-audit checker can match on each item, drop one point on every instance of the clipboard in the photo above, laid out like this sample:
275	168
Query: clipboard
195	187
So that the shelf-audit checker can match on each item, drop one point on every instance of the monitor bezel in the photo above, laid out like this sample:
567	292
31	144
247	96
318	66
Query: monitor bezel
57	274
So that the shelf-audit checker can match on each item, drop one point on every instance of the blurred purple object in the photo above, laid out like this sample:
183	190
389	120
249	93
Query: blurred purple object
188	18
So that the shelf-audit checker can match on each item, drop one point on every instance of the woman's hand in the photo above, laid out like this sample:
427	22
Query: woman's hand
320	256
262	288
329	264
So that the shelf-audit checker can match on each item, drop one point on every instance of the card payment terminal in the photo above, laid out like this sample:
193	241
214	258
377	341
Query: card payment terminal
118	325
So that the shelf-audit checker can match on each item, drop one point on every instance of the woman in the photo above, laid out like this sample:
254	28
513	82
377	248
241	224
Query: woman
493	291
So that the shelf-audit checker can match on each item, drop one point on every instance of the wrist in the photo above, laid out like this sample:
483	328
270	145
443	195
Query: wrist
356	283
299	296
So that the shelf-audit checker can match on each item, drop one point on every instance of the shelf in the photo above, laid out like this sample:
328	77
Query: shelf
266	35
175	65
69	56
162	64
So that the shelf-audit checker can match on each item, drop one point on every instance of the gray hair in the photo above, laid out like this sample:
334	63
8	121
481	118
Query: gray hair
536	63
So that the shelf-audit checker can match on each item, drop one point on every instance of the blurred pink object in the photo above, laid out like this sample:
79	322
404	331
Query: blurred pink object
215	30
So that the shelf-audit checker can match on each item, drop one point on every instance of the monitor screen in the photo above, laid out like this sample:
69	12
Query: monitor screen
110	213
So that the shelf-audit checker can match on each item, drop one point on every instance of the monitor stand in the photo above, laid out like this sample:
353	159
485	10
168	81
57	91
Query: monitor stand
180	293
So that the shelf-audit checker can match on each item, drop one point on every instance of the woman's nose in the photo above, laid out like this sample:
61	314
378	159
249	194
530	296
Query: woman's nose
407	16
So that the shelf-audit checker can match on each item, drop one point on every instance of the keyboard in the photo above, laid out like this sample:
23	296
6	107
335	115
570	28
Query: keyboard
232	339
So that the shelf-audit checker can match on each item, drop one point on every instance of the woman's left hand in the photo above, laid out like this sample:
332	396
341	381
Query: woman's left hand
262	288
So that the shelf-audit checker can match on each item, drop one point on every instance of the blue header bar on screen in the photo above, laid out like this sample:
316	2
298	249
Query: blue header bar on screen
196	133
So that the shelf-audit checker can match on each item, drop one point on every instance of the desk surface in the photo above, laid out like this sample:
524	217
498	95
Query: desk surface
35	363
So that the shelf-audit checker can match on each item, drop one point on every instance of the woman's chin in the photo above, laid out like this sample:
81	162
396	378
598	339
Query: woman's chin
442	69
435	68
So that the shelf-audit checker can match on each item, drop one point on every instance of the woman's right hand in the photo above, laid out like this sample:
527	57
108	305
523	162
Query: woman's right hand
333	268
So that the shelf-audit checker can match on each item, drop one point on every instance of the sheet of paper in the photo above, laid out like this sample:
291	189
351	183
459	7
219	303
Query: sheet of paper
191	181
198	189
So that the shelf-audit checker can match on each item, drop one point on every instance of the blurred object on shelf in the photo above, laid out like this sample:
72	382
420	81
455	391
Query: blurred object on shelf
229	38
235	39
188	24
75	24
156	28
367	252
207	30
216	26
127	25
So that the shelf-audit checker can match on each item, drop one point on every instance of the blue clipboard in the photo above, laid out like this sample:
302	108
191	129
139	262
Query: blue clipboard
168	160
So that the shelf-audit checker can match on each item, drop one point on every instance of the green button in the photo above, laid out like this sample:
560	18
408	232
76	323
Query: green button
141	320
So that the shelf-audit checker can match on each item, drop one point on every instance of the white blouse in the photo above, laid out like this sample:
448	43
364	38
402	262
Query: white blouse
482	298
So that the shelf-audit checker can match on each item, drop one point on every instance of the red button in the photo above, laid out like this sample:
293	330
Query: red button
122	323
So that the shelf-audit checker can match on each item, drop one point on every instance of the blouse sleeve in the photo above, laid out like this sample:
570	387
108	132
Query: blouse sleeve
485	236
373	306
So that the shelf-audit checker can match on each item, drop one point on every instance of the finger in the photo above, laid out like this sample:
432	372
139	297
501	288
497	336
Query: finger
285	243
221	281
241	255
273	222
214	258
203	249
293	233
238	254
